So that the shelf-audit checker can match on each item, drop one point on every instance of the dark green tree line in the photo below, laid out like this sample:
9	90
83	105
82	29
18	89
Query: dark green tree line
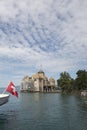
81	80
67	83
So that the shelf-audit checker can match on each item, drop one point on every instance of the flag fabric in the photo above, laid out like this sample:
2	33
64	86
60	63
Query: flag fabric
11	89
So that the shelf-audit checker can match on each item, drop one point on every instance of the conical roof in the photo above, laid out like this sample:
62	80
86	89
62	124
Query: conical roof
40	71
39	74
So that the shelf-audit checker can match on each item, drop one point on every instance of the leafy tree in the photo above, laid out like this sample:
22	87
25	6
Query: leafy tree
81	80
65	82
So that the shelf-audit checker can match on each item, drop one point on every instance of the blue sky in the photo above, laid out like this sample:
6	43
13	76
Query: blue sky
51	33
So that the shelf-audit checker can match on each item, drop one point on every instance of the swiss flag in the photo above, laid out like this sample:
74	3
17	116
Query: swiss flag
11	89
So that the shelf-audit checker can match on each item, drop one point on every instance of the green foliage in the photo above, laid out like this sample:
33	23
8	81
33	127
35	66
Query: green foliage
81	80
65	81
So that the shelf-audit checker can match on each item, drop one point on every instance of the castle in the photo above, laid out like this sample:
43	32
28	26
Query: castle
38	83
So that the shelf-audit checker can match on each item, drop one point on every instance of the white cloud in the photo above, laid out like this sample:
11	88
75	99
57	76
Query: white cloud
51	33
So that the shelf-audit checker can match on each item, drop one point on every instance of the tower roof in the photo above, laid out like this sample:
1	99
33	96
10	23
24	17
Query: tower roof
40	74
40	71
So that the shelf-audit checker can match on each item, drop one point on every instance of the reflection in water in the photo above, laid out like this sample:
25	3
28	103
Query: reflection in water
37	96
39	111
8	120
3	119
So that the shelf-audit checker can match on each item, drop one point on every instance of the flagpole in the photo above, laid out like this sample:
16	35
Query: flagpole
4	91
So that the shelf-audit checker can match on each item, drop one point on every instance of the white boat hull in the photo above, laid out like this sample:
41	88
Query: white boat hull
4	98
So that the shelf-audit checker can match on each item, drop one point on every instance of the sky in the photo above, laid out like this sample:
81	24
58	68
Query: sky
42	34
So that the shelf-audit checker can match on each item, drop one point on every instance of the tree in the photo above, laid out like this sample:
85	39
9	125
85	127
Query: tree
65	82
81	80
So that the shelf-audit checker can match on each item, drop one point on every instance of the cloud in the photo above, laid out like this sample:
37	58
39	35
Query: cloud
52	33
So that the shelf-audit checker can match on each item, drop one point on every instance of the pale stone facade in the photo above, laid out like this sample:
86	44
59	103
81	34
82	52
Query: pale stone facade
38	83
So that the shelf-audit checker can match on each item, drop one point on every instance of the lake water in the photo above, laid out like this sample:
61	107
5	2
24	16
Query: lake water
43	111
